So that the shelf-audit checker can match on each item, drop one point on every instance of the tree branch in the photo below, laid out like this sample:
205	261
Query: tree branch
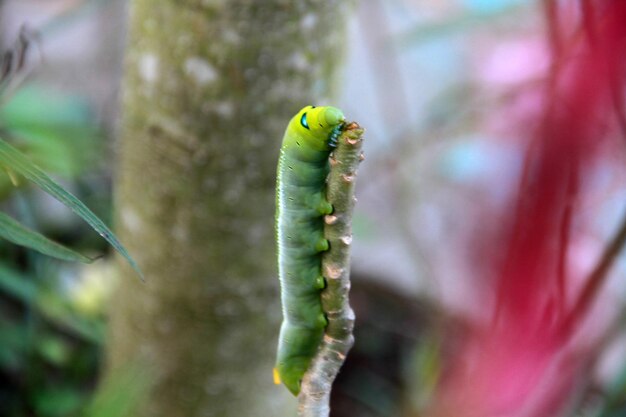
314	398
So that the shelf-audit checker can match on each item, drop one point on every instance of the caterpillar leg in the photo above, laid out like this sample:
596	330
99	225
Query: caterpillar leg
318	202
325	208
320	282
322	245
322	320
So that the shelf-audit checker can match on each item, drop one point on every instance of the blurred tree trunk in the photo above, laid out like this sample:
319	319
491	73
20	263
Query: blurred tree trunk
209	87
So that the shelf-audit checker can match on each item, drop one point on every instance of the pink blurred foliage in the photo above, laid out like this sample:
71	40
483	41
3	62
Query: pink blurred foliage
536	350
513	62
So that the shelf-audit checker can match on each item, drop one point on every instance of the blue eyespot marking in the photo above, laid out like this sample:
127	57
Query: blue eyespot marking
303	121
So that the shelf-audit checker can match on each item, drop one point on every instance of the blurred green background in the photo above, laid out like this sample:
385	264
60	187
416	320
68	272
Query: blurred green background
422	76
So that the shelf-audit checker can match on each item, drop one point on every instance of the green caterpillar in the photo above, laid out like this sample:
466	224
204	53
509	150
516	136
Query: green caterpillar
300	206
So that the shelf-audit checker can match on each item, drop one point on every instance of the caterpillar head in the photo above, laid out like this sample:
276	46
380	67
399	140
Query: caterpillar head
319	122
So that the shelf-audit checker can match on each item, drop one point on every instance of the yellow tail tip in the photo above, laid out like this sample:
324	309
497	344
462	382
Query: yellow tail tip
277	380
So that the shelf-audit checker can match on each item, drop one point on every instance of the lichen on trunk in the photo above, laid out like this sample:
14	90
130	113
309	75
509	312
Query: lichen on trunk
207	91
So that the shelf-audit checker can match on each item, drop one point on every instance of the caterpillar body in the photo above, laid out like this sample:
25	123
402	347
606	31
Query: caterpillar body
300	206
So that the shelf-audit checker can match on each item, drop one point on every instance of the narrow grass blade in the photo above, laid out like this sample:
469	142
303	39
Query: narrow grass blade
19	163
16	233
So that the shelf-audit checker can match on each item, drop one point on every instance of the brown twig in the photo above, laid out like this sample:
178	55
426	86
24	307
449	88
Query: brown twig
314	398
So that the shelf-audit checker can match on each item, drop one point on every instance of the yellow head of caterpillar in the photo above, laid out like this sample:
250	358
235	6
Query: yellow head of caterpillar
317	122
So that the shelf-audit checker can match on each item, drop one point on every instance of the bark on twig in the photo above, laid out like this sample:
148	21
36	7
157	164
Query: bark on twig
314	398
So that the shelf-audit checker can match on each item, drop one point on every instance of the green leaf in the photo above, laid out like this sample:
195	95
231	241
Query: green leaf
51	304
57	311
63	150
54	349
57	401
14	232
42	107
13	345
56	131
16	284
16	161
